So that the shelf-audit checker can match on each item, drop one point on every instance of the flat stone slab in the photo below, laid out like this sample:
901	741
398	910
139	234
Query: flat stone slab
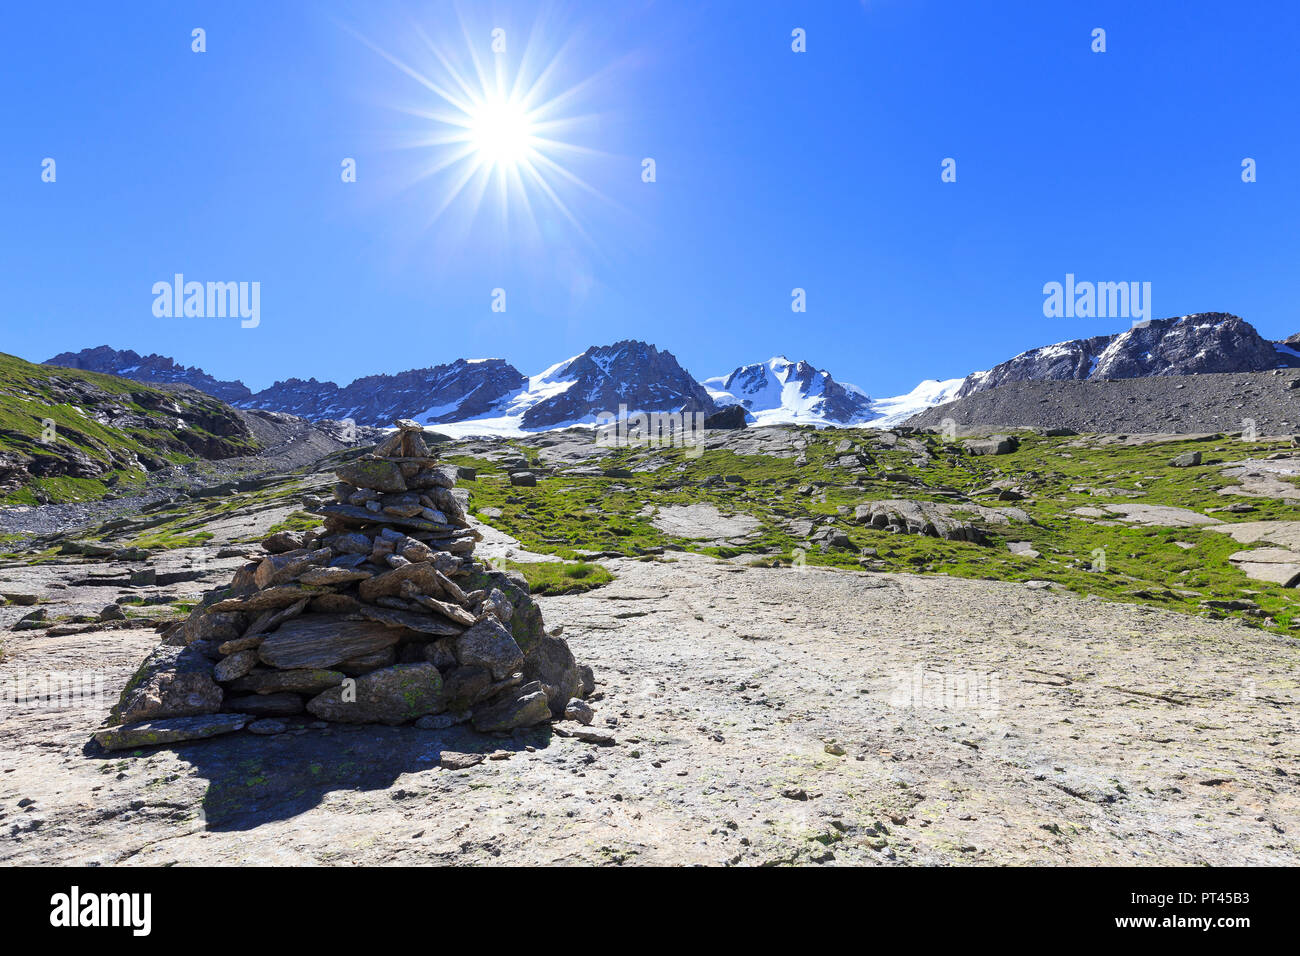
1285	534
1262	478
1149	516
321	640
700	522
1279	565
151	733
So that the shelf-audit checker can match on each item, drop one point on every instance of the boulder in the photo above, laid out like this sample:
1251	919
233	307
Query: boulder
266	705
488	644
172	682
551	664
392	695
379	474
283	541
996	445
466	686
517	708
235	665
304	681
731	417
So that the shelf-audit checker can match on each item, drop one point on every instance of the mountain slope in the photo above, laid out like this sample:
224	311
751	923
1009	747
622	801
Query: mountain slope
1186	345
605	377
64	431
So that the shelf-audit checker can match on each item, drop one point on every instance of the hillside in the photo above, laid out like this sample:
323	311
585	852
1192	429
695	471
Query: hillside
67	434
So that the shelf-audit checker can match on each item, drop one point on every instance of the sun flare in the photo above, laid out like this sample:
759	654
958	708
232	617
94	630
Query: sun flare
501	133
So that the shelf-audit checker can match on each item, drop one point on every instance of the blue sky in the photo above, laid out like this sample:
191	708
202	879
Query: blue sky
775	170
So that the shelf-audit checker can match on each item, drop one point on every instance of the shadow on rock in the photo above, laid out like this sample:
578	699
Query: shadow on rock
254	780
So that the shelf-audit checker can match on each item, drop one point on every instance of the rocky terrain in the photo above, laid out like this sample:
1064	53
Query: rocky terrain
1169	404
453	392
845	647
747	716
60	427
382	616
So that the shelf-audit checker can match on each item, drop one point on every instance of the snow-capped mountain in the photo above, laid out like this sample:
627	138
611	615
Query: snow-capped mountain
1185	345
487	396
780	391
887	412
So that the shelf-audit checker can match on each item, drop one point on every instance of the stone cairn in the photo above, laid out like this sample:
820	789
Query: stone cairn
382	616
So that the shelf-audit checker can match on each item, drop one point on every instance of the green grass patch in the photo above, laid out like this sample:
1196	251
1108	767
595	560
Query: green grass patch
561	577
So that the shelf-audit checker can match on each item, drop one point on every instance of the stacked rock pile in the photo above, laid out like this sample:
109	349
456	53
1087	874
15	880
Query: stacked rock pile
381	616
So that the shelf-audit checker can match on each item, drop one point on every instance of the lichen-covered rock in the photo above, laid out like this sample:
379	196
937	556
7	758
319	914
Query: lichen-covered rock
206	625
384	476
463	687
150	733
282	541
422	576
526	625
488	644
393	695
235	665
172	682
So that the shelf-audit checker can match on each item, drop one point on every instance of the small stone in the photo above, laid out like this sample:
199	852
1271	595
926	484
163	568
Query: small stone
235	666
592	735
451	760
112	613
267	726
579	710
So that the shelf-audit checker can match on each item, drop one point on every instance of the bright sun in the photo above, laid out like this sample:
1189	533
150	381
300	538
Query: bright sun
501	133
500	137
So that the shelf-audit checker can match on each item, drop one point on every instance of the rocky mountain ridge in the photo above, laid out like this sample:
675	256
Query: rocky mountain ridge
491	396
1204	342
